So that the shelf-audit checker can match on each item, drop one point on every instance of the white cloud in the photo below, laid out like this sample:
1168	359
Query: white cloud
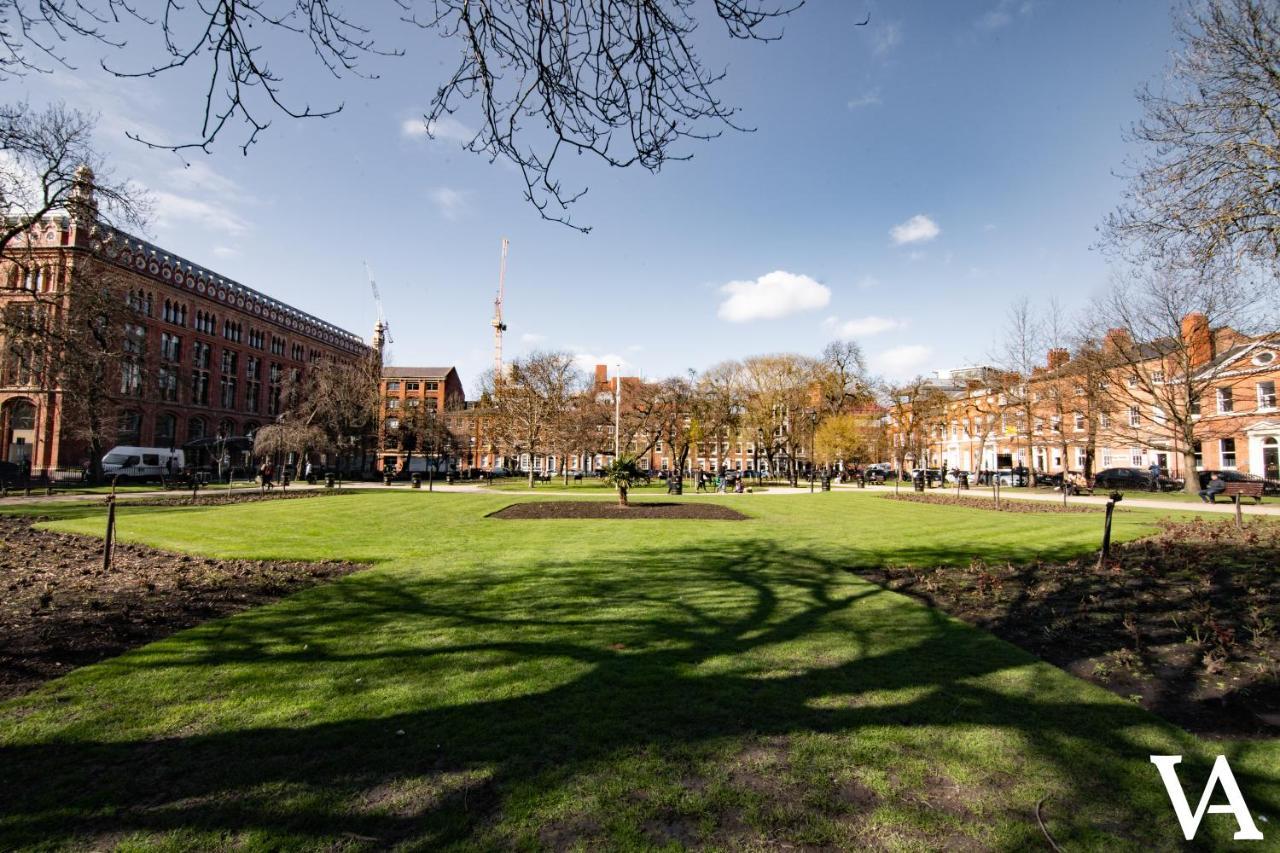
448	129
917	229
1003	14
532	338
450	203
887	38
902	362
861	327
588	360
869	98
771	296
172	210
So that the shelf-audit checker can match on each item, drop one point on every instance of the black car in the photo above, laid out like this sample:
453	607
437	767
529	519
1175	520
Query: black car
10	473
1269	487
1136	479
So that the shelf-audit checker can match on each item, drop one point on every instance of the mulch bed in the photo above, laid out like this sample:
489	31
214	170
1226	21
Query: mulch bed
1183	622
60	610
212	497
608	509
989	503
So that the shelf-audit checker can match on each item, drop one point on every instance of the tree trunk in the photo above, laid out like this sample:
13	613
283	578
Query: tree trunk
1191	480
622	495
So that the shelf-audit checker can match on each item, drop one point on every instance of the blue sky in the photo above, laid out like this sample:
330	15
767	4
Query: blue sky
906	182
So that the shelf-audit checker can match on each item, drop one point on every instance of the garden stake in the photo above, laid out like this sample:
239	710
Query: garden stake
1116	497
111	526
1239	513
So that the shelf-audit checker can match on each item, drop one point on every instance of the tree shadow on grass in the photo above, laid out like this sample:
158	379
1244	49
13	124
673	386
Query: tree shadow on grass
700	652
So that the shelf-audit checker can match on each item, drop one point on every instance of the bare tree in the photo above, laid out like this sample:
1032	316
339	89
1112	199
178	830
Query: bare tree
843	377
1206	188
47	163
340	398
913	408
622	81
527	400
1023	349
1159	345
782	395
80	338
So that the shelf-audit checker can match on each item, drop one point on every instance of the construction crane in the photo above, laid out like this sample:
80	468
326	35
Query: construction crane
498	326
377	301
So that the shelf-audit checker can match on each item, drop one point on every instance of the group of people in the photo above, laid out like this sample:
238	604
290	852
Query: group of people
722	482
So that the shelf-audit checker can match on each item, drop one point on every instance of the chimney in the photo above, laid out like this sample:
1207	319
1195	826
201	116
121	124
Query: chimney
1058	357
1196	338
602	375
1116	339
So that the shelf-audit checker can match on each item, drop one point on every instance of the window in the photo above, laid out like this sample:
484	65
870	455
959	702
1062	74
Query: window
166	429
1157	376
393	424
139	301
413	402
1135	417
393	403
252	384
202	353
1226	403
1157	415
1055	423
1193	405
1135	456
232	331
274	376
228	380
1227	452
196	429
255	338
131	378
1132	381
1039	425
1266	395
1264	358
412	386
170	347
167	382
1079	422
393	386
433	386
130	428
277	345
175	313
1198	448
206	323
298	352
22	416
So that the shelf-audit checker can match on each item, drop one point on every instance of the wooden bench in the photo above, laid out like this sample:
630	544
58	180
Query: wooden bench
1237	489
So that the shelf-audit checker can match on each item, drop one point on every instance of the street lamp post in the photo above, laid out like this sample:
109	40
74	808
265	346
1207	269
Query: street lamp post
813	427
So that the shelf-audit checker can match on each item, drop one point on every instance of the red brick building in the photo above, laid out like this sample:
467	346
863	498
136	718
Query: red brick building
217	355
409	392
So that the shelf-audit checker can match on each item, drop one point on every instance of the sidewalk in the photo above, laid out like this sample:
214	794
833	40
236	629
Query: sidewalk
1269	506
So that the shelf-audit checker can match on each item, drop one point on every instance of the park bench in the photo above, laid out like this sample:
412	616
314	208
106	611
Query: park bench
1237	490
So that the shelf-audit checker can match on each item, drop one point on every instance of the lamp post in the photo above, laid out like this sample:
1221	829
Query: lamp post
617	409
813	428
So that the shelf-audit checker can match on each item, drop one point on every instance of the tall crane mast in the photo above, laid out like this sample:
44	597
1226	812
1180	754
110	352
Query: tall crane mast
377	301
498	326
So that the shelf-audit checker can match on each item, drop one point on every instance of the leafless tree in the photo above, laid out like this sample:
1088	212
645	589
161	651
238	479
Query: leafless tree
528	398
45	155
1158	337
82	335
843	377
1205	189
1023	352
621	80
782	396
340	398
913	408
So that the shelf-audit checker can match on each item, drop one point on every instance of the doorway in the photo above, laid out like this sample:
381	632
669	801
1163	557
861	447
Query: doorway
1271	458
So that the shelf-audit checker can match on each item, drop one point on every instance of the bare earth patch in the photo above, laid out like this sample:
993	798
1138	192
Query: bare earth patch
606	509
1185	623
60	610
989	503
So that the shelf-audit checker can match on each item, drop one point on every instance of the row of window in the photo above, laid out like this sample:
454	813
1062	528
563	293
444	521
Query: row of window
165	432
206	322
393	385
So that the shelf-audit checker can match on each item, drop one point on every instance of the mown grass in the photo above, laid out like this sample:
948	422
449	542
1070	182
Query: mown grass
601	684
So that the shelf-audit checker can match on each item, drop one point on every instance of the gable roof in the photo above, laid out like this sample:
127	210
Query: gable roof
416	372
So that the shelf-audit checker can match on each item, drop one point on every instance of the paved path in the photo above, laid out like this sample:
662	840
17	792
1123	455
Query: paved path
1270	508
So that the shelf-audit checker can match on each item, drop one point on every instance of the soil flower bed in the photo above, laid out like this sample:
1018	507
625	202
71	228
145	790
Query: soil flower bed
604	509
1183	622
214	497
60	610
988	503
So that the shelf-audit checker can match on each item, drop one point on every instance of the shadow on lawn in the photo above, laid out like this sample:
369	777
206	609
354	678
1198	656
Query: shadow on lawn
643	692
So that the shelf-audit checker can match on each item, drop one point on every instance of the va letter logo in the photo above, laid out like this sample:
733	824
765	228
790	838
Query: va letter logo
1221	775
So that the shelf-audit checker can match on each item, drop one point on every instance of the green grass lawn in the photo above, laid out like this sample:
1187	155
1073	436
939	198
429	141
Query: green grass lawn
601	684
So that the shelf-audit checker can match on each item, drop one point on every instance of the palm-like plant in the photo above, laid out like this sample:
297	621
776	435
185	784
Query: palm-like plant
622	473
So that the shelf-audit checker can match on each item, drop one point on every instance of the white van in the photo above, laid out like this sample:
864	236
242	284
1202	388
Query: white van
142	463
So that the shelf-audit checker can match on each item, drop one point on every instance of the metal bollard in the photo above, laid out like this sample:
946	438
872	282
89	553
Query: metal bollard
417	480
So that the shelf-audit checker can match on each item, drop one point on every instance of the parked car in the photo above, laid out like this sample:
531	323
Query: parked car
1269	487
142	463
1137	479
10	473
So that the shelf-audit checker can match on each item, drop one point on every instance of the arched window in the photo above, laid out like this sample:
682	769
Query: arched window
227	428
130	431
22	415
196	428
166	429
